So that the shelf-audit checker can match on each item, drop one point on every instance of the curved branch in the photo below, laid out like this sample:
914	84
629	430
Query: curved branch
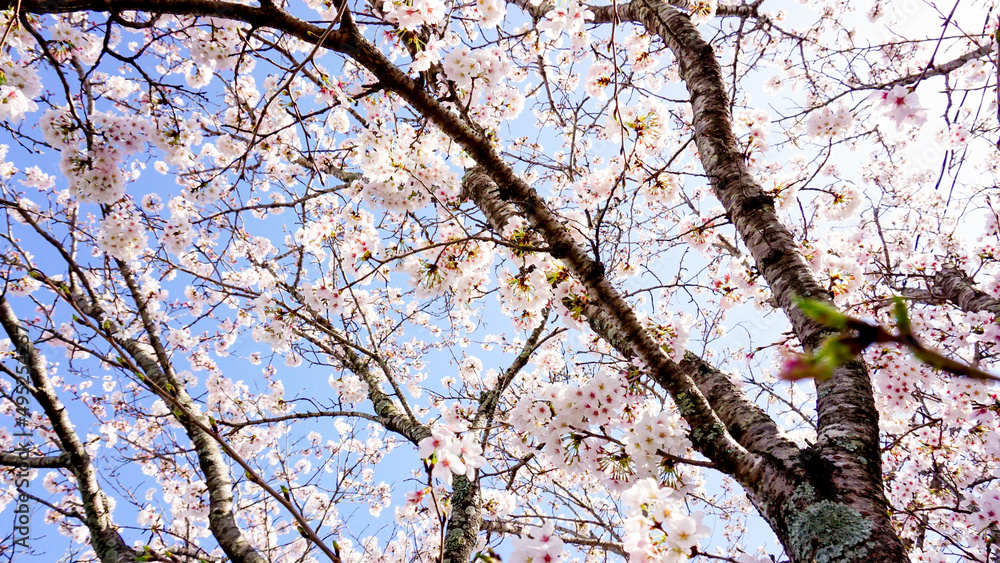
746	422
709	434
941	69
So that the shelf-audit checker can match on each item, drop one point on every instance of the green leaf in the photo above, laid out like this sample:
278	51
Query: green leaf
822	312
835	351
902	318
938	361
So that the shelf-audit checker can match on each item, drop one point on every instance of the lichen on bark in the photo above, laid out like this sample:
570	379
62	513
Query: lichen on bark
828	531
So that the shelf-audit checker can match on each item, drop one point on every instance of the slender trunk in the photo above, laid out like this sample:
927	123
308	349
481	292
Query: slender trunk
461	532
154	361
108	544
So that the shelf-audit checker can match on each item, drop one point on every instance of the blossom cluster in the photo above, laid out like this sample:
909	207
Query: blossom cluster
656	527
901	105
412	14
570	422
537	544
95	173
568	17
450	454
829	121
122	235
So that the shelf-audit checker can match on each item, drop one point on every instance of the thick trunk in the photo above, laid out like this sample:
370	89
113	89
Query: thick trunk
818	505
841	476
466	520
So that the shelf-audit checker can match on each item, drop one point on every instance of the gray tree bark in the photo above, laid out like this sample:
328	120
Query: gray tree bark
108	544
954	286
825	502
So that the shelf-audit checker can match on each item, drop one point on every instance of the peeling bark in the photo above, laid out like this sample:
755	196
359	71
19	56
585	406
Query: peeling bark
462	532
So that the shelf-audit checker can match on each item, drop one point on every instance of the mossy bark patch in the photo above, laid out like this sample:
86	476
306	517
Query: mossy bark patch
828	531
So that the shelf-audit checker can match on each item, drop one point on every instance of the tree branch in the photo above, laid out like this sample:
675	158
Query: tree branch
747	422
154	362
953	285
60	461
709	434
516	529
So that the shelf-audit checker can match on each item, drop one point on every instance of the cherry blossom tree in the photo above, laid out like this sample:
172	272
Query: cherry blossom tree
419	280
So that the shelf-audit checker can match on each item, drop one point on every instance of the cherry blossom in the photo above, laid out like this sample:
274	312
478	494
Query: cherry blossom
901	105
419	280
